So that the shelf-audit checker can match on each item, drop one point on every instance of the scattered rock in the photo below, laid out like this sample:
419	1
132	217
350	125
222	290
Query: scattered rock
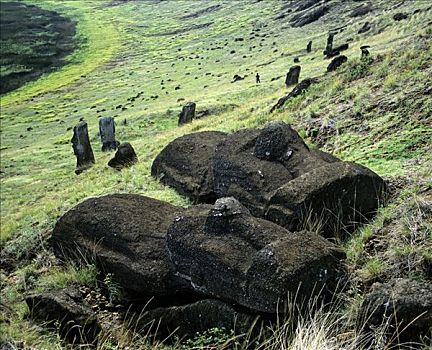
124	157
336	63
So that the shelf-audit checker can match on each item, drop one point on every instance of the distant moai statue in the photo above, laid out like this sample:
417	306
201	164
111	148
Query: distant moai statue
329	46
293	75
364	51
309	46
187	113
82	148
107	134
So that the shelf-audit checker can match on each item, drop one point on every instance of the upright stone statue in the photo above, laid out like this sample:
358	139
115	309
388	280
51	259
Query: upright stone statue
82	148
329	46
293	75
309	46
107	134
187	113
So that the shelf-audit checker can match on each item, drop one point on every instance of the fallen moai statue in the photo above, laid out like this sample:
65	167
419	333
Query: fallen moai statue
274	174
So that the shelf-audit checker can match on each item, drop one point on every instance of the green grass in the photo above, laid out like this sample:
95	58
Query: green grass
373	112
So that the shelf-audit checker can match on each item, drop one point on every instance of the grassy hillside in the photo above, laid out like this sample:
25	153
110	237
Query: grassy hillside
377	112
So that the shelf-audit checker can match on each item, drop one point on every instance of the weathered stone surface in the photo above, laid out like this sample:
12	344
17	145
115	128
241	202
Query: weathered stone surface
336	63
82	147
125	234
185	164
186	320
187	114
107	134
339	193
78	323
229	254
124	157
404	304
250	164
292	76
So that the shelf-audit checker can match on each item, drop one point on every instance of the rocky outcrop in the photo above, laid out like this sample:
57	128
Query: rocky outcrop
403	306
125	235
185	164
229	254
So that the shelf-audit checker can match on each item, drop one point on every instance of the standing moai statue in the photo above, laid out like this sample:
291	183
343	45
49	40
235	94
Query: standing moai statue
187	113
364	51
329	47
309	46
293	75
107	134
82	148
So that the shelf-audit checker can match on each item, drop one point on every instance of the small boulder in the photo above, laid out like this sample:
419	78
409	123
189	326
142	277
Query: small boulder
229	254
67	307
185	164
404	305
336	63
124	157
